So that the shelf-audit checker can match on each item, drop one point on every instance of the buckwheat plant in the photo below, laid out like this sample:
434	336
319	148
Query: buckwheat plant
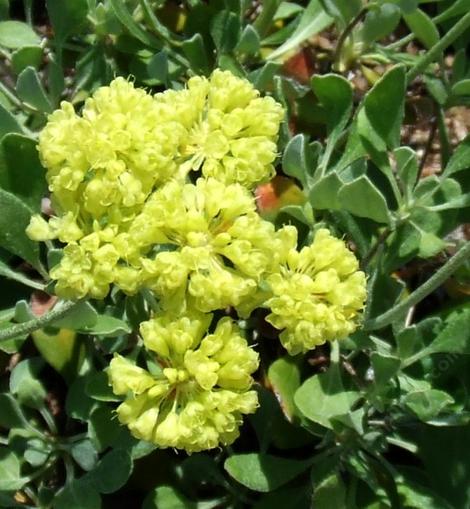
156	194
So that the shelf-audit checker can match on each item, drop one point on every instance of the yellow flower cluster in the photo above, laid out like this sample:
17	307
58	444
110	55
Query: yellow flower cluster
132	214
197	400
105	165
219	247
317	294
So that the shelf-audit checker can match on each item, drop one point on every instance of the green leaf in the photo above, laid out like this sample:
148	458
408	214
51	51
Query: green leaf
313	20
23	312
417	497
15	34
455	335
10	477
384	106
406	6
67	18
195	51
287	10
225	31
461	87
336	96
444	453
166	497
98	387
78	404
379	23
429	243
459	66
84	454
11	415
157	67
4	9
383	292
56	79
30	90
28	56
14	219
284	376
329	493
427	404
104	429
438	90
362	198
322	397
272	427
263	77
37	452
412	339
296	497
295	161
423	27
64	351
22	174
324	193
8	123
108	326
78	494
112	471
385	367
460	159
81	317
301	213
263	472
125	17
25	385
407	168
342	10
249	42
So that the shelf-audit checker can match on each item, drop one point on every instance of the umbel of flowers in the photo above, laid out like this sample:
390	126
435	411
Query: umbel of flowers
197	400
156	193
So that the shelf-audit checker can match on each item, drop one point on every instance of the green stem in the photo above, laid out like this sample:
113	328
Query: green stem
373	250
428	57
443	16
32	496
60	309
334	353
265	19
49	419
401	42
28	11
158	27
347	31
423	291
446	147
41	470
69	469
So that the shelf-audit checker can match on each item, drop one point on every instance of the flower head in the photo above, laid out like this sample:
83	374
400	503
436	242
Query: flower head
198	399
317	295
231	131
217	245
110	157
